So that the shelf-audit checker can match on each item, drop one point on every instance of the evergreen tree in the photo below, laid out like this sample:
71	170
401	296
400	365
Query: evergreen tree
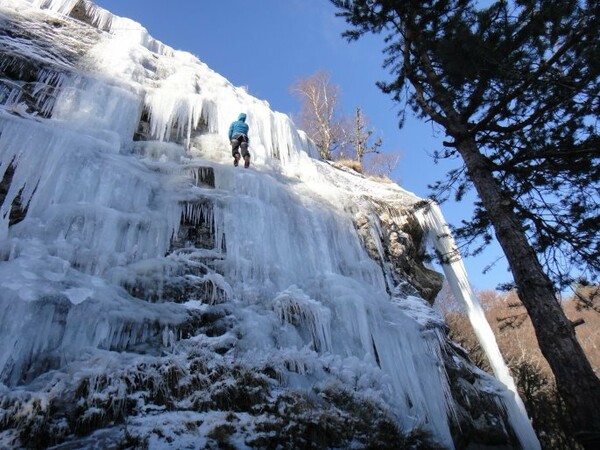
515	86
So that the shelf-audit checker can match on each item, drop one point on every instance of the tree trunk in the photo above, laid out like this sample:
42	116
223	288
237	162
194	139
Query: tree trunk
576	381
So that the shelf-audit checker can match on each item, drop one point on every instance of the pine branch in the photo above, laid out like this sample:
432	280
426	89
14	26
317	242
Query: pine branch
501	103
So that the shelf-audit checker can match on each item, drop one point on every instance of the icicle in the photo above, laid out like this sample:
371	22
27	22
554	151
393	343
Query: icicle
432	222
43	92
202	176
101	18
168	338
101	109
107	209
221	290
169	112
198	213
98	17
49	81
59	6
296	308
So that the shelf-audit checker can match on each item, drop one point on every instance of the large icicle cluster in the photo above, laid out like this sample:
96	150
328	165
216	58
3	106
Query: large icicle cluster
144	279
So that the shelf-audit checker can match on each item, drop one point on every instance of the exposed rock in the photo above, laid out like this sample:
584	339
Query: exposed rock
480	421
86	12
399	248
195	226
18	211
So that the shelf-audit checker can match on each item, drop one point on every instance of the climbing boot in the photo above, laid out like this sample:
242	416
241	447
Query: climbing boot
247	161
236	159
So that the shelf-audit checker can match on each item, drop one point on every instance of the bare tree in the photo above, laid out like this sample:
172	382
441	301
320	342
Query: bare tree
382	164
337	135
368	155
318	112
360	136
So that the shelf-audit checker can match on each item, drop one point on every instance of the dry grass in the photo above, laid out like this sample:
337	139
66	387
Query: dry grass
351	164
357	167
380	179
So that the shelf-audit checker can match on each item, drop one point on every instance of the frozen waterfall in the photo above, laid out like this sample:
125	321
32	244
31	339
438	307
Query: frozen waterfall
105	158
442	241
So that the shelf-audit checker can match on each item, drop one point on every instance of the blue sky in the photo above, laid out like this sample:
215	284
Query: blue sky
266	45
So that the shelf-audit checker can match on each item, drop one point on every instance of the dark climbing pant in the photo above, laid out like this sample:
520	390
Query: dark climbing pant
239	142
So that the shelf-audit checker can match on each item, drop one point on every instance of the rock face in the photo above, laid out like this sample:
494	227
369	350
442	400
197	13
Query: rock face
403	248
154	296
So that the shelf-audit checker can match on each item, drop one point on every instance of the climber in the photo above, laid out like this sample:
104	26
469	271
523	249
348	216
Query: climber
238	136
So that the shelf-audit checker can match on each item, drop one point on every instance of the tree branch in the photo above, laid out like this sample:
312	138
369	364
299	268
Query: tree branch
544	66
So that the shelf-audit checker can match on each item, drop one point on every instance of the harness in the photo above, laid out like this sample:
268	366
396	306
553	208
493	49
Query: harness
241	137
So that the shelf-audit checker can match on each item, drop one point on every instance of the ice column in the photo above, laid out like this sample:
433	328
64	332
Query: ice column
431	220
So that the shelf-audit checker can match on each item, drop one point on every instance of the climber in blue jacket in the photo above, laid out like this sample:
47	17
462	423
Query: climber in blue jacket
238	136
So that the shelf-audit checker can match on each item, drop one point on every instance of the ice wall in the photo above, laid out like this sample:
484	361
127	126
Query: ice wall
432	220
102	211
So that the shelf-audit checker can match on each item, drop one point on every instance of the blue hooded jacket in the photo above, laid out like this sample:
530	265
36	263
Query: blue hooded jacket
239	126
